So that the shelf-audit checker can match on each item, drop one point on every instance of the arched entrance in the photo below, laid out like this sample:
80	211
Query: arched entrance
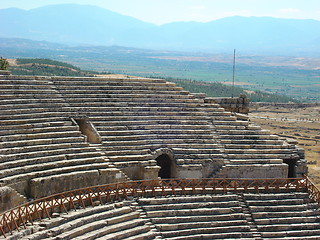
165	163
291	168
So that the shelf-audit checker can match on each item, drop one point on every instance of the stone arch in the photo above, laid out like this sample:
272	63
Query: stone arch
165	160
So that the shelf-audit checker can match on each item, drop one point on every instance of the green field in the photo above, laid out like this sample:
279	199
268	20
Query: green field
276	75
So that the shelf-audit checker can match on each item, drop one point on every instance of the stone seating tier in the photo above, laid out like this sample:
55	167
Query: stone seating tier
275	215
135	117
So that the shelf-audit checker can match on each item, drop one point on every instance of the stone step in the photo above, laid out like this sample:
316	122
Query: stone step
278	196
119	104
144	236
89	81
252	147
301	219
125	151
231	127
66	223
192	205
198	218
28	103
124	234
209	230
166	127
214	148
240	132
286	213
46	147
34	125
208	236
39	95
123	92
262	156
252	141
217	123
124	119
34	107
116	87
278	208
41	135
14	131
195	212
32	142
147	122
249	137
256	161
121	133
165	96
141	99
93	230
193	157
33	120
68	152
268	202
220	118
258	151
194	225
54	171
130	158
290	227
188	199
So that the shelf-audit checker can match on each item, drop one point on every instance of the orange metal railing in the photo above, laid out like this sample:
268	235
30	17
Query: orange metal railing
91	196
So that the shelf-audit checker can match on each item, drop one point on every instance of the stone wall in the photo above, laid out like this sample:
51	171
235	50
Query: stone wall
46	186
238	105
10	198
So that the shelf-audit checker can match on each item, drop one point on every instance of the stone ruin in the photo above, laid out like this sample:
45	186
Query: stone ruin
63	133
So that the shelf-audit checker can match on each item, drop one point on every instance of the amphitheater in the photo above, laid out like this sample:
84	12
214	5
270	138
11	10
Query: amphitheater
140	158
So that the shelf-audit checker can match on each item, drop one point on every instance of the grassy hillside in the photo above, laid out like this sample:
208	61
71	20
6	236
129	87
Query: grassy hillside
47	67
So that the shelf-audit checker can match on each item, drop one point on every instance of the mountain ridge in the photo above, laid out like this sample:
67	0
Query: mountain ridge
90	25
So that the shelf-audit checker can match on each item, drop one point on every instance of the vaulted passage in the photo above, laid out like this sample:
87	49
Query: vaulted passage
292	168
164	162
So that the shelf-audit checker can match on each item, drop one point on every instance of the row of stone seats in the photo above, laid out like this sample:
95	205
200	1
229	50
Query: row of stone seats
285	215
110	221
282	215
137	116
247	145
197	217
38	139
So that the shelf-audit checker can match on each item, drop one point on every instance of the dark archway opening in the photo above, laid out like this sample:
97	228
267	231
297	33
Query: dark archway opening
291	168
164	162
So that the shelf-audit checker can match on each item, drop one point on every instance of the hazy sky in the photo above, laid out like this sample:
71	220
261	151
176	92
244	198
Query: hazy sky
164	11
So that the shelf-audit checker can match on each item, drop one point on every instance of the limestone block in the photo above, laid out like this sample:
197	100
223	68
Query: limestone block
189	171
151	172
46	186
10	198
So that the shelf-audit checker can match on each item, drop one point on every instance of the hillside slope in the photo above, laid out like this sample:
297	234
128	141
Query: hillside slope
82	24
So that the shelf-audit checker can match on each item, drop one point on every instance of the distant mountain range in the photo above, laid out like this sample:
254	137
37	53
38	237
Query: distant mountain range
88	25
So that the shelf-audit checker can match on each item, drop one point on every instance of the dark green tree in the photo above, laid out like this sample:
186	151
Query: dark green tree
4	64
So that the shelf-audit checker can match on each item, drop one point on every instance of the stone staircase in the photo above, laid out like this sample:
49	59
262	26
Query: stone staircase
249	151
197	217
284	215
